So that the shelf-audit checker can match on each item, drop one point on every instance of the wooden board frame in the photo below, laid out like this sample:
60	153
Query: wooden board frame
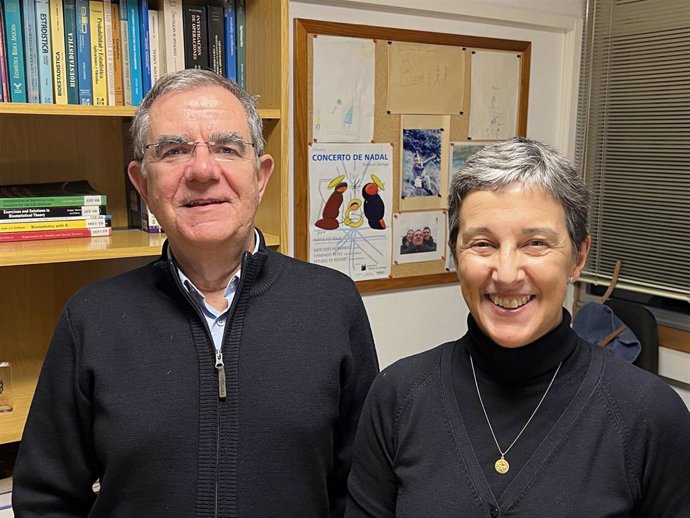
305	29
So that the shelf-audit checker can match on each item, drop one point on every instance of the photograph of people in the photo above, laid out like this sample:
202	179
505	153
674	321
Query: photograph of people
421	242
407	242
429	242
421	162
520	417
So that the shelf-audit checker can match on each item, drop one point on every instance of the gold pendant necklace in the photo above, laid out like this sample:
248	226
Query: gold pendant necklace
501	466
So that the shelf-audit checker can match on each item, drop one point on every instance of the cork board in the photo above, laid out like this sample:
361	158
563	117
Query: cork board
389	127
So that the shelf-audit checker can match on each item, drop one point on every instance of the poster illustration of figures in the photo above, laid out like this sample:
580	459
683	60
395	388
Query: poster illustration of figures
350	207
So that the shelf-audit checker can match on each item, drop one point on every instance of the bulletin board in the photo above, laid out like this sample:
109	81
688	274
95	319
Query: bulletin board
382	119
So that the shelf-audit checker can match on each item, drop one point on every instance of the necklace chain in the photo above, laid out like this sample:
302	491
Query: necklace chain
502	465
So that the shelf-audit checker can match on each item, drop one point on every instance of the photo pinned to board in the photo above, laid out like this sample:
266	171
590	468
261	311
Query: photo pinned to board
460	152
419	236
424	159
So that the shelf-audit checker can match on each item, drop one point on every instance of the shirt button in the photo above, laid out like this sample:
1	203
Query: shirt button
493	511
220	322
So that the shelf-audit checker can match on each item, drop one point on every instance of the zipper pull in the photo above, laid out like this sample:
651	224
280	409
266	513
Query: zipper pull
220	366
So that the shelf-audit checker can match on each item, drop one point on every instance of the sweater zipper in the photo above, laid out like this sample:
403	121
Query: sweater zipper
220	367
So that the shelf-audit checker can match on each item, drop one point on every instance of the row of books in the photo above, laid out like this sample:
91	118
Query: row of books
110	52
30	212
138	214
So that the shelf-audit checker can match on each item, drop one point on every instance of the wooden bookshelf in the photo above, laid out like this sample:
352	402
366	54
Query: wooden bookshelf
51	143
93	111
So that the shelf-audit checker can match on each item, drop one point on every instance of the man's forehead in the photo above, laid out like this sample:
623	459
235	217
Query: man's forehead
190	112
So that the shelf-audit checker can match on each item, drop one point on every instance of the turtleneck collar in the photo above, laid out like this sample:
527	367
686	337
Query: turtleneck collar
521	363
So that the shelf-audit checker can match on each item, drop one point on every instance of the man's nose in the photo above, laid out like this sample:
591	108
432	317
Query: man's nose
202	167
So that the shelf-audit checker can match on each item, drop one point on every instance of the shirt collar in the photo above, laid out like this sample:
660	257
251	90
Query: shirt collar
229	289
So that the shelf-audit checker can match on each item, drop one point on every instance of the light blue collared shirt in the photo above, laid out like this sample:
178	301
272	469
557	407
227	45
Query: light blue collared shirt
216	319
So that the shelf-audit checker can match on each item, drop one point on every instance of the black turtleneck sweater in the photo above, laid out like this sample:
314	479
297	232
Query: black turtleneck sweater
608	440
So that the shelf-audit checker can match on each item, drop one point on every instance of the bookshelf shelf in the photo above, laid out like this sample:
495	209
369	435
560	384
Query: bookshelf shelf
52	143
122	244
92	111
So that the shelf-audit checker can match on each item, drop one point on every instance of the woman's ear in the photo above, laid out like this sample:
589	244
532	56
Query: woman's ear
582	257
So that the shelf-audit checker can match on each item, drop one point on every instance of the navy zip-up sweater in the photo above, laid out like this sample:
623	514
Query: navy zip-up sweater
129	395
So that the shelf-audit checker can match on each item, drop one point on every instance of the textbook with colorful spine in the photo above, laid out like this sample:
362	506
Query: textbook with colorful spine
57	210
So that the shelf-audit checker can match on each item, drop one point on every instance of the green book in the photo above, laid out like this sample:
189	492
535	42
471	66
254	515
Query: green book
57	194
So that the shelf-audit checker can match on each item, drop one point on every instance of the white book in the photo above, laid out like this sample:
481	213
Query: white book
154	46
6	495
109	56
171	35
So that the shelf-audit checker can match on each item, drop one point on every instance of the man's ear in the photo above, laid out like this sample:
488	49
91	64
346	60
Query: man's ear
263	173
582	257
138	179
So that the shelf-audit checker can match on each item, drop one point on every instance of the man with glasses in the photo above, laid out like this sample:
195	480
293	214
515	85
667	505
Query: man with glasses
223	379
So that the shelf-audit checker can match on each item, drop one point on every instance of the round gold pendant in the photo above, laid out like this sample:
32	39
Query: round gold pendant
502	466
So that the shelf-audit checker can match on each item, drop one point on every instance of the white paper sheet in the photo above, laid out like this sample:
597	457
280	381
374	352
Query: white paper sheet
343	89
494	95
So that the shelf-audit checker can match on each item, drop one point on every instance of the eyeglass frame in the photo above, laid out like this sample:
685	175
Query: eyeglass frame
218	139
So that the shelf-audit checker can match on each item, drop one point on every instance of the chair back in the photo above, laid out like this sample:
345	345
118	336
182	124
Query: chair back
642	322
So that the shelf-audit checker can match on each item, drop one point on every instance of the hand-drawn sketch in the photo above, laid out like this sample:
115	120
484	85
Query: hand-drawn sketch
421	236
495	86
421	169
343	89
425	79
350	188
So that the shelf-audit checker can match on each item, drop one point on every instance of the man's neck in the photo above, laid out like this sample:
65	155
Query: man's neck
210	270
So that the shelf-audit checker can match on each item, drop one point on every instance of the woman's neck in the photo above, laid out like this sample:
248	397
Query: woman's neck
520	364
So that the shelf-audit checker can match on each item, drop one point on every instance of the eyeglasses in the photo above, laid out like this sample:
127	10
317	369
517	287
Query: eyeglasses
176	151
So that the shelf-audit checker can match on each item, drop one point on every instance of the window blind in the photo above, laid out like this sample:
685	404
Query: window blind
633	143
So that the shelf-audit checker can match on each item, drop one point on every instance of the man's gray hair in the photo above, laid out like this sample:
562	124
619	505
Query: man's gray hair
531	164
191	79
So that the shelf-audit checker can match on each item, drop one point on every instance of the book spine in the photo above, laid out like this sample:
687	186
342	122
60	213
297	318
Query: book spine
55	234
109	56
98	219
69	9
124	41
171	35
4	85
149	223
53	201
57	42
134	51
30	51
241	44
117	55
229	18
45	59
154	46
98	65
37	213
32	226
195	39
84	53
145	46
216	39
14	41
